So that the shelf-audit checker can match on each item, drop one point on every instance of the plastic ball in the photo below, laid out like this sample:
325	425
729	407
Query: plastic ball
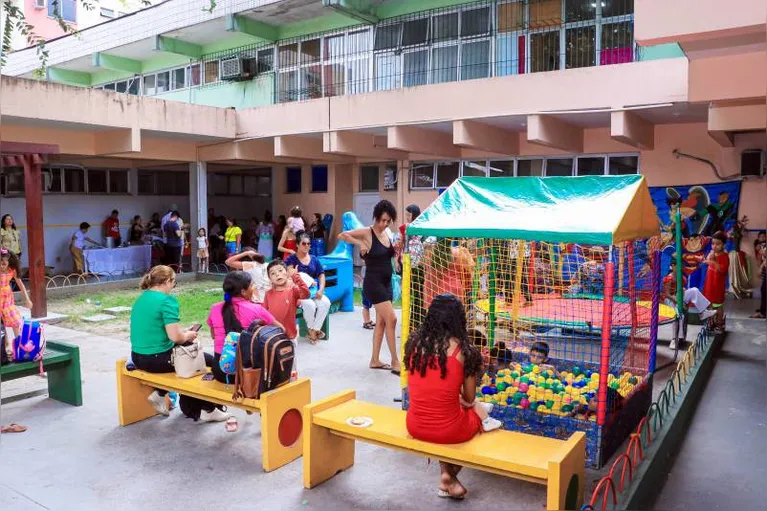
549	404
523	387
527	368
576	370
487	390
514	374
536	369
588	373
595	376
524	379
633	380
543	385
501	386
541	409
519	395
567	400
614	385
567	408
509	401
524	403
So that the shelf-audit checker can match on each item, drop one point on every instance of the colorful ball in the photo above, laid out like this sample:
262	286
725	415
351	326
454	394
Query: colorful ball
501	386
536	369
633	380
524	403
523	387
576	370
486	390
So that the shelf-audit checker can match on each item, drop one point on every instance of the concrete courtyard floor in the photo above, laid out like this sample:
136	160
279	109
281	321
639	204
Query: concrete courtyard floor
79	458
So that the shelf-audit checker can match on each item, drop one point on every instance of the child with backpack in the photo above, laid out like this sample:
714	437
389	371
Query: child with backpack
9	270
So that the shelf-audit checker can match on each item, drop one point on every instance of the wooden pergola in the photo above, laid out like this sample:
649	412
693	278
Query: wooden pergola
31	157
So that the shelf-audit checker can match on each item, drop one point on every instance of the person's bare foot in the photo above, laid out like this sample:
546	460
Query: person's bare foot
450	486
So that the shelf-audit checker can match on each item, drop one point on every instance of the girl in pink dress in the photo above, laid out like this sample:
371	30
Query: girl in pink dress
9	270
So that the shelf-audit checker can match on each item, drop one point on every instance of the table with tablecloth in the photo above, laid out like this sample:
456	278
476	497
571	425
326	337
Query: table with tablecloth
115	261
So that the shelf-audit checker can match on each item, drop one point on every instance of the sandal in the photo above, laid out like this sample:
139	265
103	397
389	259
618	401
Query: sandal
444	494
385	367
231	425
757	315
13	428
369	325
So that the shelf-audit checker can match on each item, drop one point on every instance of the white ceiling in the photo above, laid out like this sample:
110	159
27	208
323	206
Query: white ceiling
204	33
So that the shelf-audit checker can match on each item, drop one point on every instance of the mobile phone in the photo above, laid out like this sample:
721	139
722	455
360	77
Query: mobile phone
196	327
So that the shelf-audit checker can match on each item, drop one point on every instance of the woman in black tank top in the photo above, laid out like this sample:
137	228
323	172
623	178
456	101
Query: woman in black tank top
377	250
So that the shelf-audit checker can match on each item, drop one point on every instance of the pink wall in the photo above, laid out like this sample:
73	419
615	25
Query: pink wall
45	27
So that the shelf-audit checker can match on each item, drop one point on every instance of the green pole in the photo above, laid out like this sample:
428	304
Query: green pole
679	285
491	298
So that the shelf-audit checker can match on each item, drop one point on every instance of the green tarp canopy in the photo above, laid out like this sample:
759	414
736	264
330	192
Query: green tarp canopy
589	210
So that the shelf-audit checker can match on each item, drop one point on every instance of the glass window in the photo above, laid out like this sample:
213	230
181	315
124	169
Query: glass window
145	182
250	185
121	86
293	179
416	66
475	22
265	60
545	13
507	50
511	16
580	47
118	181
357	72
74	181
166	182
559	167
388	37
475	60
51	181
388	68
475	168
133	86
422	175
179	78
149	85
105	13
334	79
623	165
447	173
66	9
501	168
544	51
289	85
526	168
211	71
163	82
319	178
235	185
445	27
312	86
369	178
264	184
13	182
591	166
310	51
111	86
289	55
617	43
390	177
357	43
415	32
444	64
97	181
194	74
617	8
218	184
580	10
334	47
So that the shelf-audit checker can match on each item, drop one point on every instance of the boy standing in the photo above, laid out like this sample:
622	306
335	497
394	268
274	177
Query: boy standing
77	244
716	278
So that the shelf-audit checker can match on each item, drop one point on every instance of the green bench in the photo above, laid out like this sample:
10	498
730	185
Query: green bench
302	330
62	363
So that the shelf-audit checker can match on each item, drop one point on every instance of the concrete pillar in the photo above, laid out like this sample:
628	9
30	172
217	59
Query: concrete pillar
198	203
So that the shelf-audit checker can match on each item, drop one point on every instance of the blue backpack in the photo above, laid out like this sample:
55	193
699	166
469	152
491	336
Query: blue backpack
229	353
30	345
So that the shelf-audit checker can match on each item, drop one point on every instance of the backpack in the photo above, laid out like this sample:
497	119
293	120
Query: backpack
228	359
30	345
265	357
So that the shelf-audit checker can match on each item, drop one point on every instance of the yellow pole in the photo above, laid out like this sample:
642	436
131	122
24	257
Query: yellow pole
520	267
406	279
621	263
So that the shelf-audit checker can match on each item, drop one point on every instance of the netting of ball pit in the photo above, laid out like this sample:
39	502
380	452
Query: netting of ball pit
589	310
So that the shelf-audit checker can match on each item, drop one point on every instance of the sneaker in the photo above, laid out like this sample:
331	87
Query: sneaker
672	345
215	416
158	403
490	424
487	406
707	314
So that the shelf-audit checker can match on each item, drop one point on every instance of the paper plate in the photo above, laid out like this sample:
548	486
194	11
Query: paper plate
359	422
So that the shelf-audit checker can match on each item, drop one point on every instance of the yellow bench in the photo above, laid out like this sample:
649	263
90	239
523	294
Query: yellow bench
329	448
280	409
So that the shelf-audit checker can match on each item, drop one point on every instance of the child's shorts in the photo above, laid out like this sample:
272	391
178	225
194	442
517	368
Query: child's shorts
365	302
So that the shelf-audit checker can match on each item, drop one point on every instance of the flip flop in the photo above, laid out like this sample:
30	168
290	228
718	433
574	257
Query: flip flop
320	334
369	325
232	424
385	367
446	495
395	371
13	428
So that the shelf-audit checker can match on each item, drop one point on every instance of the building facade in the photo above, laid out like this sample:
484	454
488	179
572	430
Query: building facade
336	104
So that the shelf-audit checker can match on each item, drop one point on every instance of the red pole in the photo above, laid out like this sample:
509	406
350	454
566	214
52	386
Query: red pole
607	321
35	235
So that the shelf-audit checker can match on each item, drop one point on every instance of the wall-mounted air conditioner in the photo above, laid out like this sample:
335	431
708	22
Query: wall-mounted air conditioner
40	4
753	163
238	68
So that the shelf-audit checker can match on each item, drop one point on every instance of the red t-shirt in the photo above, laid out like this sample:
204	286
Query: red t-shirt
112	226
284	302
716	280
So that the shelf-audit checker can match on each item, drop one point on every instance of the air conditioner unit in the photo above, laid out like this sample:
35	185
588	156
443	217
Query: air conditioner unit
753	162
238	68
40	4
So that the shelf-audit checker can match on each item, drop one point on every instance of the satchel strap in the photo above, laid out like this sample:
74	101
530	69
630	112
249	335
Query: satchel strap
238	394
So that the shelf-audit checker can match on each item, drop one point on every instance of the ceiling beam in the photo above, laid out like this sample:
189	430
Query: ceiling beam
251	27
177	46
296	147
412	139
725	120
115	63
261	149
549	131
358	10
723	138
363	145
120	141
629	128
67	76
483	137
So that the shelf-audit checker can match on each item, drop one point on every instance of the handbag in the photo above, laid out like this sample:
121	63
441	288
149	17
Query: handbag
188	360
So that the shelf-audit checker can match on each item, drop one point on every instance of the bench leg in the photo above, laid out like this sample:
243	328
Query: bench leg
325	454
281	423
132	405
65	384
566	475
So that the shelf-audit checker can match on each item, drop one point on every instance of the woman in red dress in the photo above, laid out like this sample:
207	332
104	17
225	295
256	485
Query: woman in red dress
716	277
443	367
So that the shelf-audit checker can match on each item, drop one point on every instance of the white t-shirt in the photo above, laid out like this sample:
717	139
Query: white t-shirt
79	239
202	242
260	279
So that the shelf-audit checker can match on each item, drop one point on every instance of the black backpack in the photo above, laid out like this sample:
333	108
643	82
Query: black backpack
263	349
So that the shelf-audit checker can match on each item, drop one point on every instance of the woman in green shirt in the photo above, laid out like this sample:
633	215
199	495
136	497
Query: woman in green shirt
155	330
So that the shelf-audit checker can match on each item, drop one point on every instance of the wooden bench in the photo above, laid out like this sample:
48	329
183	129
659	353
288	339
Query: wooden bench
329	448
62	363
280	409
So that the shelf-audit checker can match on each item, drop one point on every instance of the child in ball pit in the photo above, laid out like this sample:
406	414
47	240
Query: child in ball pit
539	355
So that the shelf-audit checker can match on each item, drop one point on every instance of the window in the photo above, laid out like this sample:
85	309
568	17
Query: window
527	168
66	9
559	167
447	173
415	32
145	182
388	36
319	179
501	168
293	179
475	60
97	181
150	88
118	181
544	51
74	180
474	168
13	181
545	13
369	178
591	166
163	82
133	86
422	175
390	177
623	165
109	86
445	27
334	67
165	182
388	67
310	51
121	87
617	43
265	60
250	186
51	181
178	78
511	16
475	22
107	13
580	10
211	71
617	8
444	64
194	74
416	66
580	46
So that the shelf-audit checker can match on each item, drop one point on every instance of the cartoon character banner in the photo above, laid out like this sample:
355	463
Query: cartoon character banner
705	209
